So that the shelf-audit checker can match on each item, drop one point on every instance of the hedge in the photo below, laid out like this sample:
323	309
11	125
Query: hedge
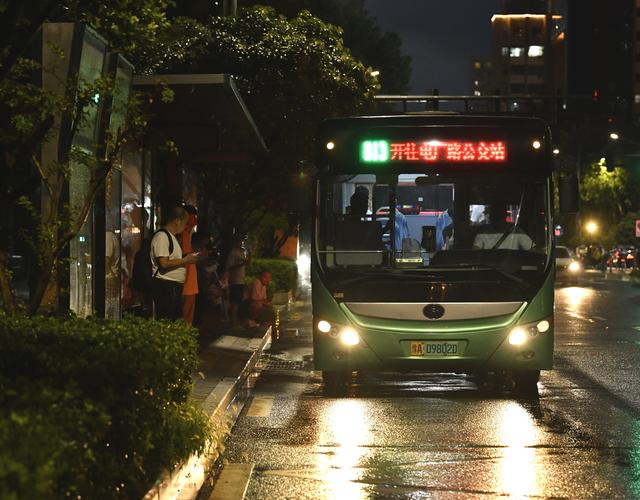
94	408
284	272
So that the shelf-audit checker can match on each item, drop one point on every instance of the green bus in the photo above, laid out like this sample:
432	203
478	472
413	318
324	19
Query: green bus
459	275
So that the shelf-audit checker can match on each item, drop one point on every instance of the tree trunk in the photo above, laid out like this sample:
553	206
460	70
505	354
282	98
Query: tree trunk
6	290
41	288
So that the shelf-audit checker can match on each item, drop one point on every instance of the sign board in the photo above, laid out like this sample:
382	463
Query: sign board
381	151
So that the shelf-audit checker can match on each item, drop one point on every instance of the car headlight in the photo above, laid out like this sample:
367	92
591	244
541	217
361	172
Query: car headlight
574	267
346	334
520	334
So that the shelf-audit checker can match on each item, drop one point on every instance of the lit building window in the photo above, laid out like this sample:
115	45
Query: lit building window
477	92
536	51
505	51
636	98
476	83
516	51
477	65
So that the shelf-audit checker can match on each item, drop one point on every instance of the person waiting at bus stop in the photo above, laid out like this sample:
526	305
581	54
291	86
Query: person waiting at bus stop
259	304
500	234
236	265
190	288
168	266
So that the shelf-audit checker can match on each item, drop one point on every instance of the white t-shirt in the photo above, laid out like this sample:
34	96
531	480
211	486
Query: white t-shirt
160	248
514	241
236	274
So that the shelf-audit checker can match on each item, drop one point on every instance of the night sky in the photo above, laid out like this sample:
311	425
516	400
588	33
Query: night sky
442	38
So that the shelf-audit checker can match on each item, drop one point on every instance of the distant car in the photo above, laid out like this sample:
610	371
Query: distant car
568	267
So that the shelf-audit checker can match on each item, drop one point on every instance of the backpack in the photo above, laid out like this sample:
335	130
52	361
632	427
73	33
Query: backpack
141	275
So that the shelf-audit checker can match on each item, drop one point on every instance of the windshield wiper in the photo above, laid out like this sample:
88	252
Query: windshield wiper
512	230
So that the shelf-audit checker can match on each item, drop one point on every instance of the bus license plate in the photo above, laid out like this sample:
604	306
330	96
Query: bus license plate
434	348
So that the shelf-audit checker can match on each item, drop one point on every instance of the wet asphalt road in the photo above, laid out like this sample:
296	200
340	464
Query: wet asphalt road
440	436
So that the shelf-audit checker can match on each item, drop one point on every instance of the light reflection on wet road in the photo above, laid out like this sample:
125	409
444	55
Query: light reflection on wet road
439	436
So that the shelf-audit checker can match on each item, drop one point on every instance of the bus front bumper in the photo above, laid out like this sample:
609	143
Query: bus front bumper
451	352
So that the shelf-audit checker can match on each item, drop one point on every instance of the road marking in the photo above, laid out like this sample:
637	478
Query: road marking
232	482
260	406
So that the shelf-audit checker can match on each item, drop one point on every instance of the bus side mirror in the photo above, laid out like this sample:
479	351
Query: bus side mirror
429	238
569	194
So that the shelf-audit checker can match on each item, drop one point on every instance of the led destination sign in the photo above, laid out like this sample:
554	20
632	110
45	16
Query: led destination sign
433	151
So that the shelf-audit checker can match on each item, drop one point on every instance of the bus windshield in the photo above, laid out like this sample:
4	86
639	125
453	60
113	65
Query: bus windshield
439	222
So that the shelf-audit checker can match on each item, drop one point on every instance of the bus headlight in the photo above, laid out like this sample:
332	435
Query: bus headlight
574	267
521	333
324	326
517	336
349	336
346	334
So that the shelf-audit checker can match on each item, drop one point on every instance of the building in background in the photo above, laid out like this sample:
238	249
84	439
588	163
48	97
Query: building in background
528	54
480	84
604	57
527	6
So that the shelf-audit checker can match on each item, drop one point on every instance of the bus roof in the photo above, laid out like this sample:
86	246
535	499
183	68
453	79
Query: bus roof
437	118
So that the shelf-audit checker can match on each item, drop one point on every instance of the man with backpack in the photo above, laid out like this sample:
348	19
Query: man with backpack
169	267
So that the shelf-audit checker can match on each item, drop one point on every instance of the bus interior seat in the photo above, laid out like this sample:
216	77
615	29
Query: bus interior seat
358	235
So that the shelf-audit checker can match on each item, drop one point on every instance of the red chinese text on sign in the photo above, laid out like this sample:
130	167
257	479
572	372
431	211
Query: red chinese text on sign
449	151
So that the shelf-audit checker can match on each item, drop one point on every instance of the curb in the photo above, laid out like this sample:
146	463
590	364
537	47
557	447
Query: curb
185	481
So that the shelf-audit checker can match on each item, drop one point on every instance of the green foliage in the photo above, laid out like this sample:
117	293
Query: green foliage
362	35
31	112
183	40
607	195
129	26
624	232
284	272
293	74
269	232
94	408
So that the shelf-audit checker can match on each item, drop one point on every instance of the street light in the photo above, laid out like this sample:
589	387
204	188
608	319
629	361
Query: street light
591	227
375	73
614	136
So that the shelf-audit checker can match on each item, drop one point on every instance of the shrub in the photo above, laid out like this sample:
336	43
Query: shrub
94	408
283	271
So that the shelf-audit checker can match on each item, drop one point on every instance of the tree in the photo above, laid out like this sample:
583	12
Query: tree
608	194
624	232
29	113
293	73
362	36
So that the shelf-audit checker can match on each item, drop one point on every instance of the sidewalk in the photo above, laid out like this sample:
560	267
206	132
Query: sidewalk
228	362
